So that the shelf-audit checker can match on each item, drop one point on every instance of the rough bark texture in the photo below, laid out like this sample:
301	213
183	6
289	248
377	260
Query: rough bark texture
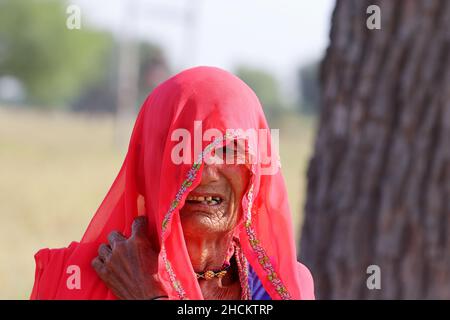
379	179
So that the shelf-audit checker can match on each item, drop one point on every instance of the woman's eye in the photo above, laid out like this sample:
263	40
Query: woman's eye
227	150
220	152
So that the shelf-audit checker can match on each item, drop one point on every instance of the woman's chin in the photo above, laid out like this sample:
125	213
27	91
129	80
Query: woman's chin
198	223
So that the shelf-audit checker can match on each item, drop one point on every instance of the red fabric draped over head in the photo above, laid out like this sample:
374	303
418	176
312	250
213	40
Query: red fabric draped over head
150	183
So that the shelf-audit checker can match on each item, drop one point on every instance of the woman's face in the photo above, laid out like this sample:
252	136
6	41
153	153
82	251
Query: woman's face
214	206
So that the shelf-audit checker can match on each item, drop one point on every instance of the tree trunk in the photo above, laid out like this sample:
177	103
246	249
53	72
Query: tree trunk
379	179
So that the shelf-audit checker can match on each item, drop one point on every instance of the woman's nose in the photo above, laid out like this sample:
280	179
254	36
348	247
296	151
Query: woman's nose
210	174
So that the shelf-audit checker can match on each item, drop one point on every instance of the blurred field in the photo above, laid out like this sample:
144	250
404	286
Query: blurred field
55	170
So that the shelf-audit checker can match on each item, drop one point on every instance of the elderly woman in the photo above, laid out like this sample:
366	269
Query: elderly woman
180	222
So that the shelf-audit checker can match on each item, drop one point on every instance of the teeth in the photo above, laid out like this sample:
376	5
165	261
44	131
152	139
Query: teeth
196	198
205	200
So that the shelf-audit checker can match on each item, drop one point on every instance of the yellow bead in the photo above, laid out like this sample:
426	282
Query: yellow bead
209	275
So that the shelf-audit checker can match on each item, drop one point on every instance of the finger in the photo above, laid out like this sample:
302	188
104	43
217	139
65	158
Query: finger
98	265
114	237
104	252
139	227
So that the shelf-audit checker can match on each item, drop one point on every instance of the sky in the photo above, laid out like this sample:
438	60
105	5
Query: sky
277	36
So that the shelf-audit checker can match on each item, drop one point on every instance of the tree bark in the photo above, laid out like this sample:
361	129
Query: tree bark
379	179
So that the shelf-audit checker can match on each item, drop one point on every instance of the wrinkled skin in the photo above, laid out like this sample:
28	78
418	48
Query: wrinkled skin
129	266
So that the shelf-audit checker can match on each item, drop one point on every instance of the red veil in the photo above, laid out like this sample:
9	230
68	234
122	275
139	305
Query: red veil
150	183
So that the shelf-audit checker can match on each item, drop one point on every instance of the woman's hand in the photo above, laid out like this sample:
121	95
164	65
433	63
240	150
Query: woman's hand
129	267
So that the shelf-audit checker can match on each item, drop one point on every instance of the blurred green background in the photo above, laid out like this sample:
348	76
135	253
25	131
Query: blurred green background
67	103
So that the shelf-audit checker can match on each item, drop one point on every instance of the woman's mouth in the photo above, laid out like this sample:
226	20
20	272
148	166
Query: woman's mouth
204	200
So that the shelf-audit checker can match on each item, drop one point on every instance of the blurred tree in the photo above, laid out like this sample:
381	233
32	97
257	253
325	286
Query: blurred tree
266	88
102	96
53	62
153	68
309	87
379	180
